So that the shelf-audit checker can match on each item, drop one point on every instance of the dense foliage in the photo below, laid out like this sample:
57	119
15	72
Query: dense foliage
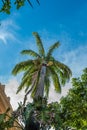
74	105
47	115
6	5
70	113
35	116
8	121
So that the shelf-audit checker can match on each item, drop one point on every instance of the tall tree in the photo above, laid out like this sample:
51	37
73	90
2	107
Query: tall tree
6	5
41	70
74	105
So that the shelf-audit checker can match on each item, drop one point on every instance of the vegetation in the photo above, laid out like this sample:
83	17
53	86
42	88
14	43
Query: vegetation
45	116
41	70
70	113
74	105
8	121
6	5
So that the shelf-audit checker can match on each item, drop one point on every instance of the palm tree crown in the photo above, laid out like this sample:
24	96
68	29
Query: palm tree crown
39	72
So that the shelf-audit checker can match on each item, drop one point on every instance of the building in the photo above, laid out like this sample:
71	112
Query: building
5	103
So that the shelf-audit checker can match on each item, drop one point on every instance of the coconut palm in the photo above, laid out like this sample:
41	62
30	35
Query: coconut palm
41	70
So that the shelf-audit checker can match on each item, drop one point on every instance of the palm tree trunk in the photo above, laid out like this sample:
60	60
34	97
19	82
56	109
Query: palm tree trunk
40	89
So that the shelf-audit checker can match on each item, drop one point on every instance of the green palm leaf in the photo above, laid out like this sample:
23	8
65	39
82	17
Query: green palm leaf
63	68
27	79
55	79
24	84
39	44
47	83
22	66
31	53
51	49
30	72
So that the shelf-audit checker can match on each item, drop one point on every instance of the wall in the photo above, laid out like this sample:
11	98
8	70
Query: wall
5	102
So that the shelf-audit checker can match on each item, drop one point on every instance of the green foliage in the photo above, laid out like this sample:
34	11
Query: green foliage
31	53
6	121
7	5
39	45
39	72
69	113
48	115
19	3
74	105
51	49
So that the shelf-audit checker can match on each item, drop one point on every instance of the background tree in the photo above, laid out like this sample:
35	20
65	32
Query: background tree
39	72
74	105
6	5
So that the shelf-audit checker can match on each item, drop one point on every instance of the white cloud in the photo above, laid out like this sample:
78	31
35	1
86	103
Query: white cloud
4	36
11	88
53	96
7	30
76	59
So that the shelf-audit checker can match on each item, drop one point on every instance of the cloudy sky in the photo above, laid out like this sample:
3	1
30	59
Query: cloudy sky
59	20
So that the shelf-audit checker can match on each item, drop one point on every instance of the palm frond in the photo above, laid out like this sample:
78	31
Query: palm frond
24	84
63	71
38	2
55	79
39	44
27	80
62	77
30	3
47	83
66	70
51	49
37	62
31	53
30	72
28	85
27	73
22	66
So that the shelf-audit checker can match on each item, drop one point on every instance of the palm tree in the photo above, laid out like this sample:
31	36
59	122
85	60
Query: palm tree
41	70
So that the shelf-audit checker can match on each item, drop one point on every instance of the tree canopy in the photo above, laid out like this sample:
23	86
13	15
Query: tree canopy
74	105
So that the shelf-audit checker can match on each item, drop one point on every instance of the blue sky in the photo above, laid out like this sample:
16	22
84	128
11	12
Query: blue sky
59	20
